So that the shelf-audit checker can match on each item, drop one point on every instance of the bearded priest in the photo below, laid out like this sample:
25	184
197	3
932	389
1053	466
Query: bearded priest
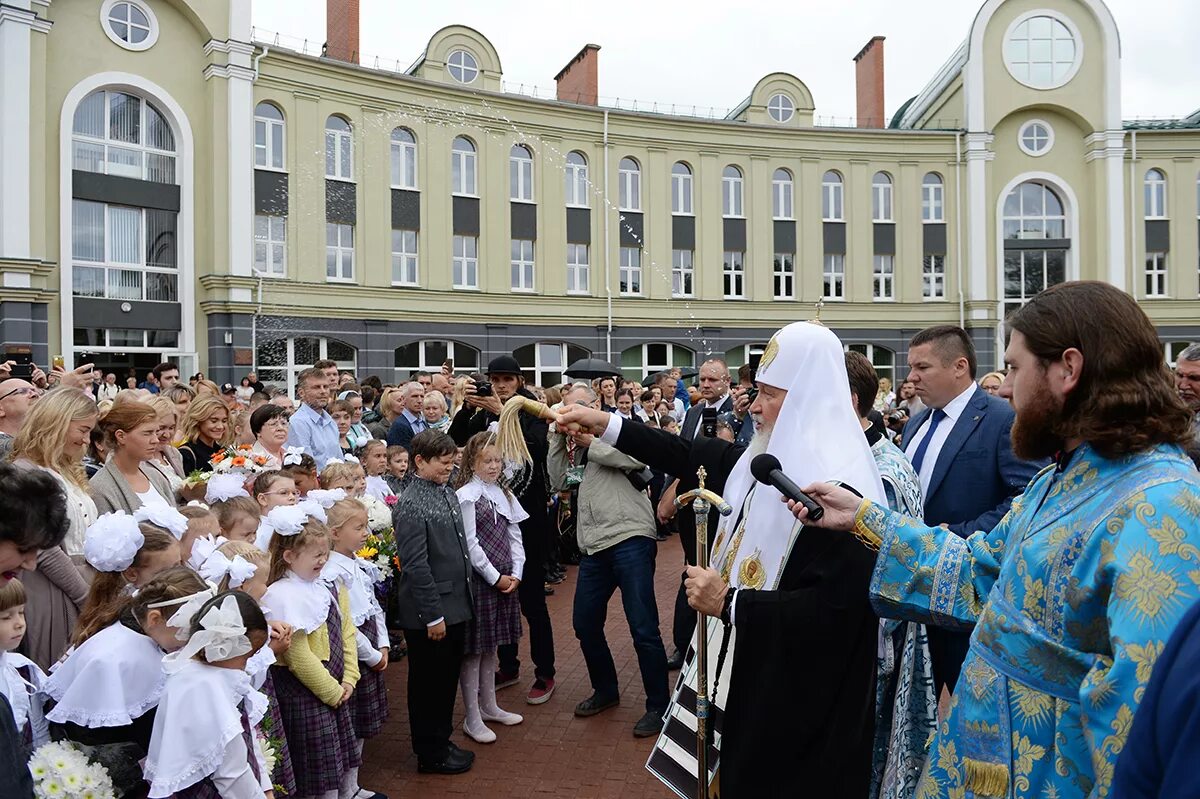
792	637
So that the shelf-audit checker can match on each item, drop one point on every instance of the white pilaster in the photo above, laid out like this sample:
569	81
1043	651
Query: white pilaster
978	154
16	27
239	73
1109	146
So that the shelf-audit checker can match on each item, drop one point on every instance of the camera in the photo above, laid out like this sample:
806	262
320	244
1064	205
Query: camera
483	389
752	394
708	422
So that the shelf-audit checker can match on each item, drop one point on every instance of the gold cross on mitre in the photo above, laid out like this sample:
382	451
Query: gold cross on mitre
817	321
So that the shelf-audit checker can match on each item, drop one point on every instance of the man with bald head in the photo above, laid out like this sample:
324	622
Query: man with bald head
16	396
410	421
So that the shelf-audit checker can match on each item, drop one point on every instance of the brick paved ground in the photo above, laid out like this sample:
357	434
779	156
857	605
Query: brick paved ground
552	753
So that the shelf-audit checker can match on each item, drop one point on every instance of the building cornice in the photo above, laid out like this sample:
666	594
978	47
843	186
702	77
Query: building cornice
19	16
229	46
228	71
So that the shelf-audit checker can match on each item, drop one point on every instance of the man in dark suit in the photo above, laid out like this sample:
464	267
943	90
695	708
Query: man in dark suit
410	422
959	446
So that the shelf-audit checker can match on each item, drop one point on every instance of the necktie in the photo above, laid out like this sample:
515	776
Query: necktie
919	455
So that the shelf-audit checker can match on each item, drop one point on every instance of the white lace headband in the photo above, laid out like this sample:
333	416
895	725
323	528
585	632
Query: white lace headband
222	635
111	543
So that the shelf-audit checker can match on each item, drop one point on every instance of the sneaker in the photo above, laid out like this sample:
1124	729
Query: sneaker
541	691
595	704
649	725
504	679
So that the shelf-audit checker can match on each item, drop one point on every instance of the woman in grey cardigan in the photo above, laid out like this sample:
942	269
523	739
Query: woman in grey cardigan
127	481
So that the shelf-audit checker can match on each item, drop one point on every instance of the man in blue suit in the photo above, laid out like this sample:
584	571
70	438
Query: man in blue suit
959	446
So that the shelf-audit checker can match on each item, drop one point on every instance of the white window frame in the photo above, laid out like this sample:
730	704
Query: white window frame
151	28
781	108
403	158
342	142
833	285
465	263
732	193
464	182
783	273
681	190
884	278
453	352
1155	194
406	257
540	369
342	252
578	269
109	265
522	269
271	245
630	274
107	142
1016	67
520	174
465	63
783	196
933	199
1155	274
292	369
869	351
1028	131
881	198
268	126
650	366
683	274
629	182
575	173
733	274
933	277
833	197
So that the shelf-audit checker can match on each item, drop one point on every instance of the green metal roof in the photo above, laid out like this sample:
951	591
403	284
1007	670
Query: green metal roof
1186	123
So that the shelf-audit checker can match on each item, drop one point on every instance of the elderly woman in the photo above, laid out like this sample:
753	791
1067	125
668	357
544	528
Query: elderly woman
168	460
53	438
204	431
128	481
991	382
269	424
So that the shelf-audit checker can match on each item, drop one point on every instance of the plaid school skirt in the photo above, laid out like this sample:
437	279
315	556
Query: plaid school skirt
282	775
369	702
204	789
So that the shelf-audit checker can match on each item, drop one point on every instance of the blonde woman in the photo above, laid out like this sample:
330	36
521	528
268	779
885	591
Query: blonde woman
167	460
205	430
207	388
460	396
53	438
991	382
390	406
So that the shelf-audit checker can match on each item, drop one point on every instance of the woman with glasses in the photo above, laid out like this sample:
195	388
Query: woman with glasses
128	481
269	424
205	430
16	397
53	439
167	459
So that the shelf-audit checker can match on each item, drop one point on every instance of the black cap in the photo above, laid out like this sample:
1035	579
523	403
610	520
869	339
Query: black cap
227	388
504	365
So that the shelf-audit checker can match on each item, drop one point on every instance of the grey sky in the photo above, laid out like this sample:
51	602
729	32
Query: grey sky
710	54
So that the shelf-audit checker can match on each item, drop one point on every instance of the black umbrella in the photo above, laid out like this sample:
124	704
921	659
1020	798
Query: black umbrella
684	373
592	368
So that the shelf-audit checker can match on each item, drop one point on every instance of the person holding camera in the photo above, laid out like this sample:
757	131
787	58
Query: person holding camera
617	540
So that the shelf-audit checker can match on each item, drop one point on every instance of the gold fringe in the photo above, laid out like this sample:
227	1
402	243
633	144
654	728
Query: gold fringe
986	779
510	440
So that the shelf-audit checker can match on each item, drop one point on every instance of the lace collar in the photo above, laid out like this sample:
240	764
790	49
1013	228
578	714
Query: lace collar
346	570
304	604
196	719
109	680
506	506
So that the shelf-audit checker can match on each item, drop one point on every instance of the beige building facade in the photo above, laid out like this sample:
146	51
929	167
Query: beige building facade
193	191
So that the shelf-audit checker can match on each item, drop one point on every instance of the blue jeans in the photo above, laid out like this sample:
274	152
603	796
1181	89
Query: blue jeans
629	566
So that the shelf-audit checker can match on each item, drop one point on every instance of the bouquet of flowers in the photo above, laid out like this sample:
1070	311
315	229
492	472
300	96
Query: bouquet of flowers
238	459
60	771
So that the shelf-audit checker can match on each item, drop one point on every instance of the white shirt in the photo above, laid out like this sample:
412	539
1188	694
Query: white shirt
953	410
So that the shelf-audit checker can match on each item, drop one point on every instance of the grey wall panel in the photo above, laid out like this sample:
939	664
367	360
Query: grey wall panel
735	235
785	236
24	324
885	238
124	191
934	238
406	210
270	192
341	202
101	313
579	225
1158	235
834	235
683	232
524	221
632	229
466	216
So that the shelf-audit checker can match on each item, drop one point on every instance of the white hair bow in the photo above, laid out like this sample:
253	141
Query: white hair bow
292	456
217	565
346	458
287	519
202	550
189	606
225	486
164	516
111	543
222	635
326	497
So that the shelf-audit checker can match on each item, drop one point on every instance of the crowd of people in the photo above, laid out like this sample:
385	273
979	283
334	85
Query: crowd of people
204	585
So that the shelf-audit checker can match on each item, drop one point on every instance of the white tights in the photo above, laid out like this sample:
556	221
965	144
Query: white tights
349	788
477	679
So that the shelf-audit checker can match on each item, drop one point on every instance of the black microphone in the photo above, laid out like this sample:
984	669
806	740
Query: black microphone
766	470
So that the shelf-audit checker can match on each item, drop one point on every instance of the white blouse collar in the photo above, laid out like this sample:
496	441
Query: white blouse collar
16	688
348	572
304	604
109	680
507	506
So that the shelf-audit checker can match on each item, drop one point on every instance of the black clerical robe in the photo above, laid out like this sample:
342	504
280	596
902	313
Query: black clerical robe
800	712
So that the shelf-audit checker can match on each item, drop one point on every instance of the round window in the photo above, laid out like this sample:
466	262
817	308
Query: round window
1042	51
1036	137
462	66
781	108
129	24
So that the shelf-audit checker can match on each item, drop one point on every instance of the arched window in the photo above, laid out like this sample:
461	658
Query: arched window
832	197
681	188
1156	194
430	354
543	363
268	137
933	198
1035	242
278	361
782	194
520	174
577	179
731	192
117	133
462	167
339	149
881	197
462	66
404	159
629	182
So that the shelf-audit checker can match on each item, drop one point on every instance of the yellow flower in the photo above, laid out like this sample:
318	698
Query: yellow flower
367	552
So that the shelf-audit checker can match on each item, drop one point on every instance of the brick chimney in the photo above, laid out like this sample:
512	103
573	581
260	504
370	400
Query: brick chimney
341	30
869	78
579	80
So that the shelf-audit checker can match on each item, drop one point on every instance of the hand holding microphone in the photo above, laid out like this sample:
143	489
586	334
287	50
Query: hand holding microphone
767	470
